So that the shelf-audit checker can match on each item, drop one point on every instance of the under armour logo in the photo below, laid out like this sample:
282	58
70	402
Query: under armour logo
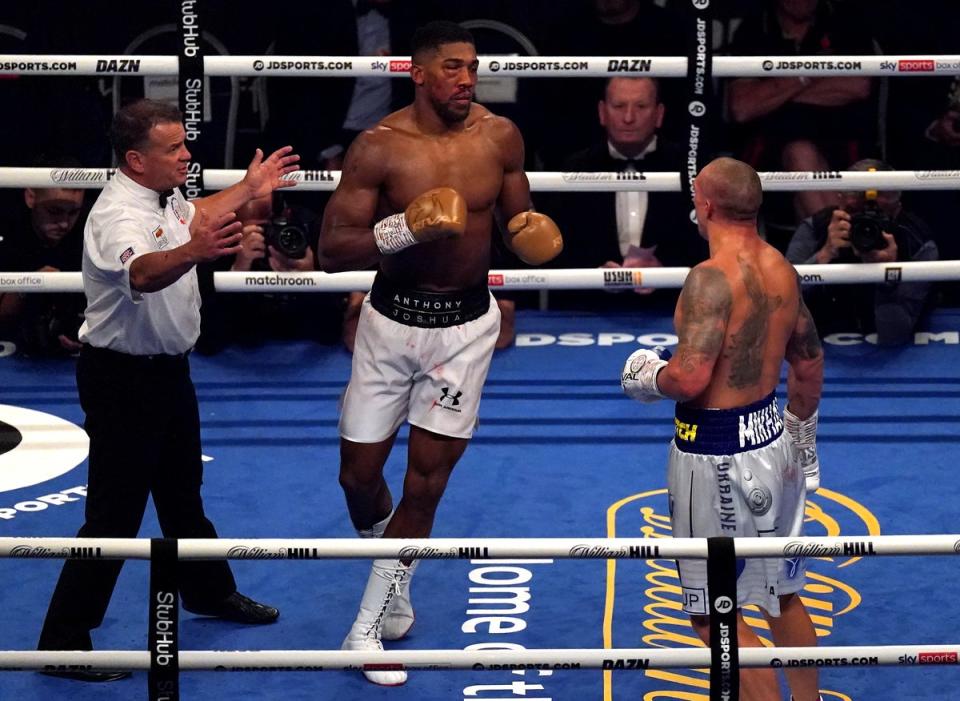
454	399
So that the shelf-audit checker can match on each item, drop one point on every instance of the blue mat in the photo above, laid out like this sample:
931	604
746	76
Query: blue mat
559	453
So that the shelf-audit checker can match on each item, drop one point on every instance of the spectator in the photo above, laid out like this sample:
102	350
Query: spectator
277	237
43	238
803	123
607	28
837	235
628	229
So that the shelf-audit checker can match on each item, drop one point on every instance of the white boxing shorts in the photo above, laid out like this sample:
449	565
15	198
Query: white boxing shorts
421	357
734	472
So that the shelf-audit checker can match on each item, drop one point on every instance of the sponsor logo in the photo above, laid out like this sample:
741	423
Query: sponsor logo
697	108
888	65
537	65
160	238
379	65
767	65
448	400
123	65
811	277
26	434
853	549
81	175
125	256
495	280
304	65
254	552
278	281
825	65
30	66
723	604
316	176
956	547
626	663
81	553
936	174
522	665
828	662
701	4
633	65
826	175
949	66
416	552
494	66
622	278
776	662
892	275
937	658
635	552
913	66
258	65
400	66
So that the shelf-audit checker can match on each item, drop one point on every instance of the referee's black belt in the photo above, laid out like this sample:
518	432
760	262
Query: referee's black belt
154	360
428	309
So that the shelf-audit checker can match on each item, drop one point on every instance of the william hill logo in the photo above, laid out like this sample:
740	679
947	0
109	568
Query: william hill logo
656	586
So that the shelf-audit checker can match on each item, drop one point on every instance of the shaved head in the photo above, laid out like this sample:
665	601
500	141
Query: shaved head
732	187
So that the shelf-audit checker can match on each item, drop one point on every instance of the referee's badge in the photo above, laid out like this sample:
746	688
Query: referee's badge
160	237
175	204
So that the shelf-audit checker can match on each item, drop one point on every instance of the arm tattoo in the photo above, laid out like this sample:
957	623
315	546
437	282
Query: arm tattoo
705	305
804	344
746	345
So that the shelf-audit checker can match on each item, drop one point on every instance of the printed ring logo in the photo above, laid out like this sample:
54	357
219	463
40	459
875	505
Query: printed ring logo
258	65
48	447
956	547
767	65
701	4
776	662
723	604
697	108
494	66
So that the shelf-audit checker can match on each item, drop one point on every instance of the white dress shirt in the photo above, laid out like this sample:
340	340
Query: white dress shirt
631	206
126	222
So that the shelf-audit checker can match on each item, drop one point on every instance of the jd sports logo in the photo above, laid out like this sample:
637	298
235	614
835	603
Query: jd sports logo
36	447
451	399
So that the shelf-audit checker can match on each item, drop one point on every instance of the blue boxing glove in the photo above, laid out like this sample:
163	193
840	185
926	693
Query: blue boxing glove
639	379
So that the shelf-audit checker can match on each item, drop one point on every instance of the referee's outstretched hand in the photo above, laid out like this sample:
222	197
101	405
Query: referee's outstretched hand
211	238
264	175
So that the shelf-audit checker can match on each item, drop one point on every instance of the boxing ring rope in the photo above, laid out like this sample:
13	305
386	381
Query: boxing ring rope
522	279
486	660
489	549
505	66
477	548
540	181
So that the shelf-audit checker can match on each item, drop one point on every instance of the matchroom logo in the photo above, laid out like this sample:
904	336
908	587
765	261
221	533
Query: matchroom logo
36	447
643	606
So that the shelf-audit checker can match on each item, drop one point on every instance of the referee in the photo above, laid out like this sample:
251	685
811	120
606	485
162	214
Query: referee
141	243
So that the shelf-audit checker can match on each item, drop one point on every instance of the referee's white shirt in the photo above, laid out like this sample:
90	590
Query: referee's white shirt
126	222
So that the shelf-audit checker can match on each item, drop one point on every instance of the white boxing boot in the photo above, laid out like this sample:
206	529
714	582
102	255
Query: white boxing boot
400	617
387	577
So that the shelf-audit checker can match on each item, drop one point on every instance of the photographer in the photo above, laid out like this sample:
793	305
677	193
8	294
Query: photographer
278	238
866	227
43	237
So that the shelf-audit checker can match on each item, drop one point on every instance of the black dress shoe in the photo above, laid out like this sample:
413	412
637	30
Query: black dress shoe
84	676
239	608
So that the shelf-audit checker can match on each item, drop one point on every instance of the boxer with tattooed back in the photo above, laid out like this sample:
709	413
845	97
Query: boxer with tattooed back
736	466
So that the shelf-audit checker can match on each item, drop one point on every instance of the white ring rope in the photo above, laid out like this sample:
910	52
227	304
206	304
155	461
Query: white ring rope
507	66
488	660
477	548
532	279
540	181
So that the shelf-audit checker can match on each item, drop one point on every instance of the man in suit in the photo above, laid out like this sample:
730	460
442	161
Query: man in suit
626	229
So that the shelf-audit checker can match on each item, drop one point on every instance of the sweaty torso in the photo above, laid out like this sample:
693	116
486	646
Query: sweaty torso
470	161
763	314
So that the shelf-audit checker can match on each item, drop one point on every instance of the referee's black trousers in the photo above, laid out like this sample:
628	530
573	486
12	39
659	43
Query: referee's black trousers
144	428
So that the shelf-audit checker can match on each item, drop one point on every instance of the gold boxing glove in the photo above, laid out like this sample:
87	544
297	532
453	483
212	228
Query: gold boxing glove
440	213
534	237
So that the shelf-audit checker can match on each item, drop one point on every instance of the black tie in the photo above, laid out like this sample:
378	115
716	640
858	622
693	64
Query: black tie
164	196
621	164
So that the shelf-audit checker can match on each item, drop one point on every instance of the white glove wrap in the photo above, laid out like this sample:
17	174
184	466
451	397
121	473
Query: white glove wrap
392	234
639	379
803	433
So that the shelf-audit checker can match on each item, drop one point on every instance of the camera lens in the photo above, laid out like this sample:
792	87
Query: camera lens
292	242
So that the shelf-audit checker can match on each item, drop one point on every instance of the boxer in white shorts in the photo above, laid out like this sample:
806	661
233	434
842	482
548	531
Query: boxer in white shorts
736	467
421	357
417	198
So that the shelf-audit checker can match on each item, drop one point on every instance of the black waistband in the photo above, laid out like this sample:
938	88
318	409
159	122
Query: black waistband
428	309
728	431
156	360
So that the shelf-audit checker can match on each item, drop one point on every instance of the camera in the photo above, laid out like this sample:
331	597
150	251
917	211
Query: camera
867	227
287	236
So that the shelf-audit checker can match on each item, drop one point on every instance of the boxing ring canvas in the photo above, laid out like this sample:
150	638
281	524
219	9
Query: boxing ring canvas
560	452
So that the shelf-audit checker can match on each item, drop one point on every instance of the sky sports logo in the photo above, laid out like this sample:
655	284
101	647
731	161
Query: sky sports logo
916	66
400	66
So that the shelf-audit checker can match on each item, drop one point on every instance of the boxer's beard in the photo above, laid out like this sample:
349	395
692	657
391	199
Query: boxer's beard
449	113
